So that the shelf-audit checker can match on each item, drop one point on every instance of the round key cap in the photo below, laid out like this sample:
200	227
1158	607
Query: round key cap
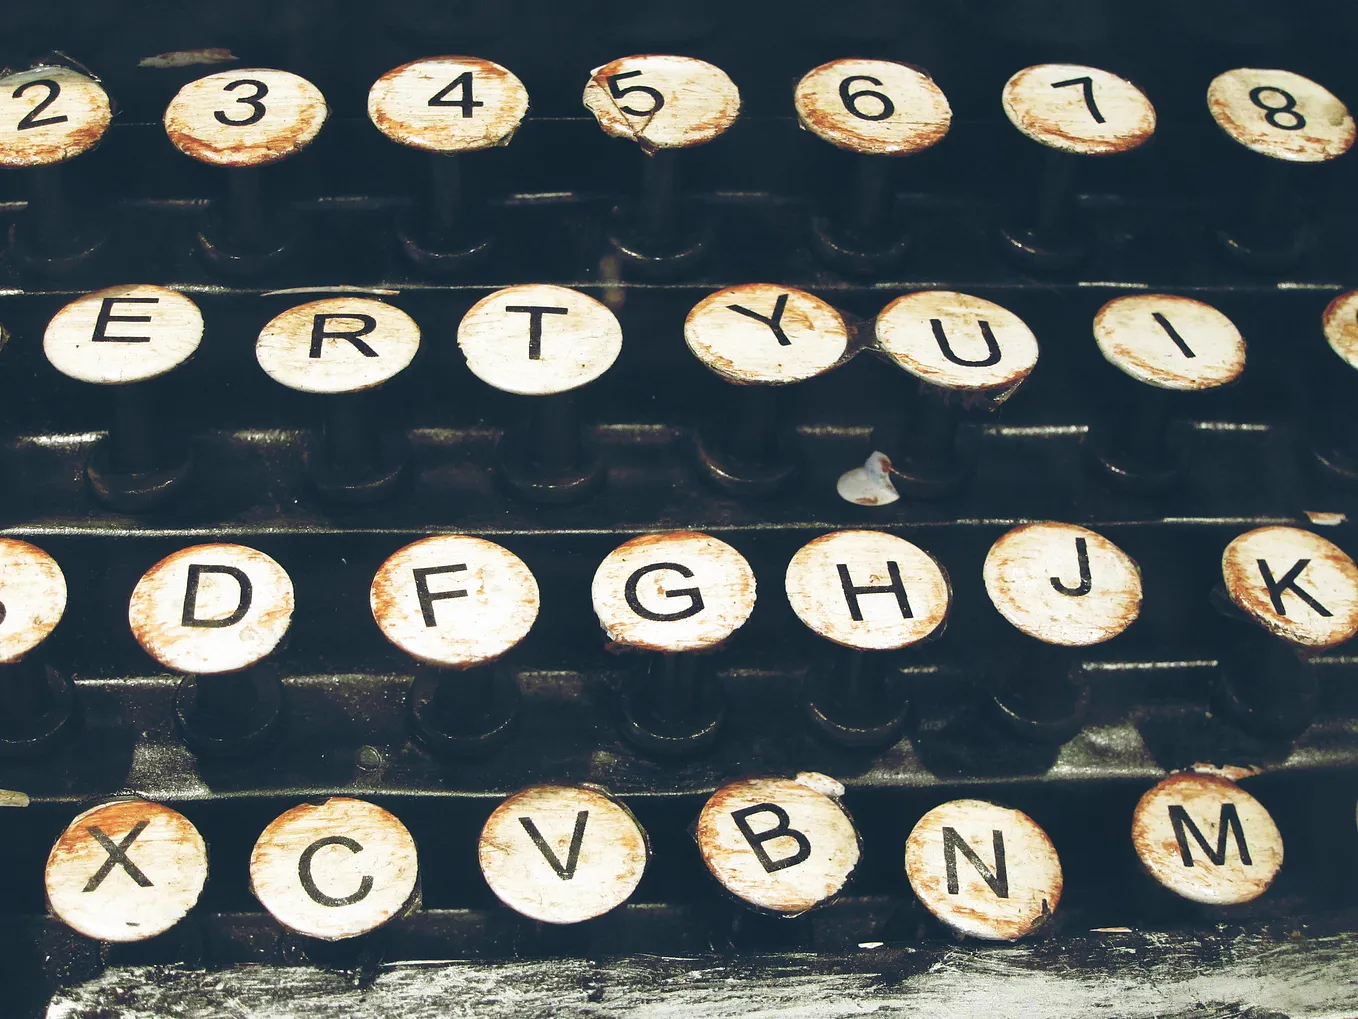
334	870
762	333
782	845
1063	584
872	107
123	334
1340	323
662	102
958	342
673	592
1170	342
562	854
538	339
448	104
986	871
867	590
49	115
1295	584
454	600
32	598
211	608
1206	839
1280	114
338	345
126	871
1078	109
245	117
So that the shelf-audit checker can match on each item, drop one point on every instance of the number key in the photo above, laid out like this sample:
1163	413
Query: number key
662	102
249	117
49	115
1076	109
448	104
1280	114
872	107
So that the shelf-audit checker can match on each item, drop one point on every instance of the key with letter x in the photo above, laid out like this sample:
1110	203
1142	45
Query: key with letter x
126	871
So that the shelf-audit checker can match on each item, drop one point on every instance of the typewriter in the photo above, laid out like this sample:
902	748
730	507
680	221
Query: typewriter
525	509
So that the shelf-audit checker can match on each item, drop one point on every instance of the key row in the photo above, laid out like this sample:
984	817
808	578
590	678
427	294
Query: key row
458	604
966	355
130	869
248	118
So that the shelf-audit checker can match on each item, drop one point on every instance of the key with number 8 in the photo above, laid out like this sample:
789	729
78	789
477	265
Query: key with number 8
1287	119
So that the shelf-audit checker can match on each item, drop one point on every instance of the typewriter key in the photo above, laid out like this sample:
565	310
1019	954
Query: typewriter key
1287	119
344	347
124	337
1066	587
446	106
986	871
1072	111
664	104
126	870
562	854
967	354
457	604
36	701
760	337
1207	839
871	594
675	595
215	612
49	115
1172	345
335	870
780	845
875	109
1301	592
1333	426
244	120
545	342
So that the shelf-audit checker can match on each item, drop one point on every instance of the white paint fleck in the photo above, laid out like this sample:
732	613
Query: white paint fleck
189	58
870	484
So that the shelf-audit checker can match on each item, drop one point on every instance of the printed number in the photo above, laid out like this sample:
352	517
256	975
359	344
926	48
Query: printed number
1272	113
467	102
850	99
657	100
31	117
256	107
1088	84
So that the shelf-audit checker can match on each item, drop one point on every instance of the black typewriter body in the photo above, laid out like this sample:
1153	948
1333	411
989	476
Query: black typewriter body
1119	945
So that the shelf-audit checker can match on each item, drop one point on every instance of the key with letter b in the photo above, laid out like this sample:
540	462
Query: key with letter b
780	845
